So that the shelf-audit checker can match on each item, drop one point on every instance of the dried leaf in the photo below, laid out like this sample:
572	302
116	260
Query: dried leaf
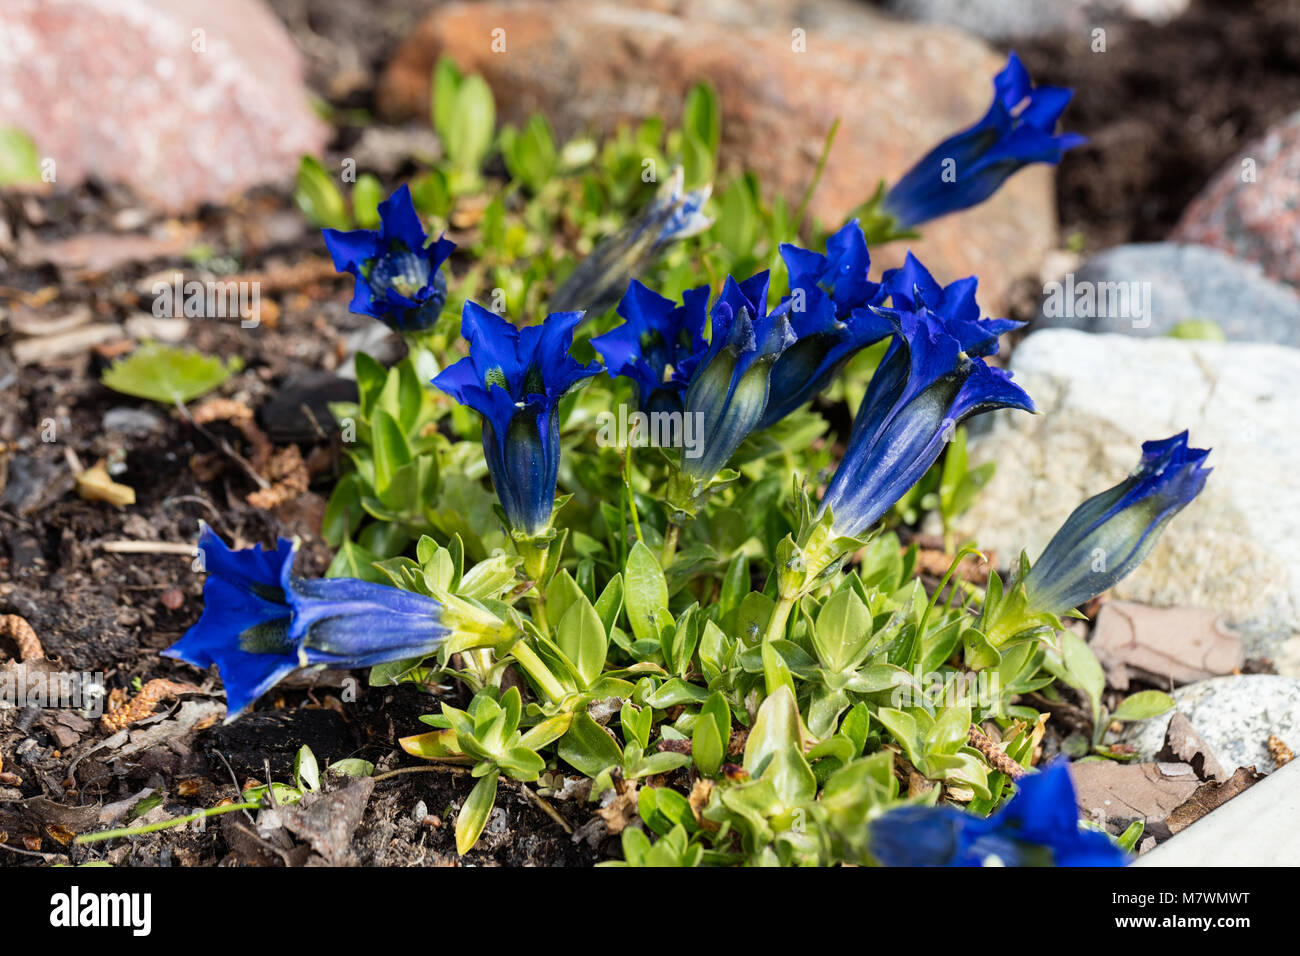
94	484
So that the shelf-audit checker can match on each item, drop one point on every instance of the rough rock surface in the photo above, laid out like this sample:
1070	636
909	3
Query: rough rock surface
186	101
1236	548
1252	207
1147	288
1234	715
898	88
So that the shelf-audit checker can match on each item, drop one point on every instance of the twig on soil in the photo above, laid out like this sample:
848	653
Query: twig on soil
164	824
994	754
546	808
147	547
436	768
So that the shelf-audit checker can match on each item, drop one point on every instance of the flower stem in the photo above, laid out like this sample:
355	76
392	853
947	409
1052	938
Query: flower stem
538	671
165	824
671	534
776	623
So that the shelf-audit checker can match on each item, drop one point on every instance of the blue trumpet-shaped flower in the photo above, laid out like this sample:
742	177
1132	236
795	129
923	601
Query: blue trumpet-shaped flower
658	345
1039	826
601	277
1110	534
399	280
927	385
966	169
729	387
911	287
260	622
514	378
829	317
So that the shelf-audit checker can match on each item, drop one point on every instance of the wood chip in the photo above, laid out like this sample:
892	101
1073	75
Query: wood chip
22	634
122	712
35	351
1279	751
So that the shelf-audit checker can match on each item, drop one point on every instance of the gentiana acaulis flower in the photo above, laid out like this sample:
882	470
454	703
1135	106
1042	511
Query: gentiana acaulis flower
830	296
658	344
933	378
729	386
1039	826
969	167
399	276
260	622
514	378
1110	534
602	277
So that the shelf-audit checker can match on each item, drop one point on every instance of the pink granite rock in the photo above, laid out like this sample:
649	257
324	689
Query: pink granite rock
782	74
185	100
1252	207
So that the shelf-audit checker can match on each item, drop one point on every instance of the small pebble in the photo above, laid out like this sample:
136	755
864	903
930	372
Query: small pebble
173	599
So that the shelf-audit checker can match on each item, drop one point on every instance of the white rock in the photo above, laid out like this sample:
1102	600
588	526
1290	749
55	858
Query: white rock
1234	715
1236	548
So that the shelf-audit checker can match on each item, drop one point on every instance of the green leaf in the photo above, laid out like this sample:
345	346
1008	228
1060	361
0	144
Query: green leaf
473	122
1083	670
20	163
318	196
711	735
587	747
645	591
390	449
473	816
582	638
306	772
1143	705
442	105
842	631
610	602
367	194
165	374
775	727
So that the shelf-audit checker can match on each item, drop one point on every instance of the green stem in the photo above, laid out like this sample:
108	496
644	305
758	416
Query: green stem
627	484
165	824
776	623
538	671
534	554
671	534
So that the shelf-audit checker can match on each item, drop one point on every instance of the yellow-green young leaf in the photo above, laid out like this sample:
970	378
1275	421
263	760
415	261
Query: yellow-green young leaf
165	374
775	727
20	163
1083	669
473	123
645	591
1143	705
587	747
318	197
711	735
442	105
473	816
581	637
367	194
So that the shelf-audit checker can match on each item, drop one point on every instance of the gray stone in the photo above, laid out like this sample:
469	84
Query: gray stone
1236	548
1234	715
1148	288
